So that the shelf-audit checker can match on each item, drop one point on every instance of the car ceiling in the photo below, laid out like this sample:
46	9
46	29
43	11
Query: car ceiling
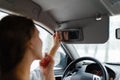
64	10
55	14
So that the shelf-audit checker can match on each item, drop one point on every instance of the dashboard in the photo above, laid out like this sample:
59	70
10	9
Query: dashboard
95	69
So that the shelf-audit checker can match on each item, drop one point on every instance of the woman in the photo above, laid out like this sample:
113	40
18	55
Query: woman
20	45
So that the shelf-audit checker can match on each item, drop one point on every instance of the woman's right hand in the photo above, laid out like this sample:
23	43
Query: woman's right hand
47	64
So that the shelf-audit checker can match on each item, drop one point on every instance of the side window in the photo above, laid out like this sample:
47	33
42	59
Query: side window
2	14
47	40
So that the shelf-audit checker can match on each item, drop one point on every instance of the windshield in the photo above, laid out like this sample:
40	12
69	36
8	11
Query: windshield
108	52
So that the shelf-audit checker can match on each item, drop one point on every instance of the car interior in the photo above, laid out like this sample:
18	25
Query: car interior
90	31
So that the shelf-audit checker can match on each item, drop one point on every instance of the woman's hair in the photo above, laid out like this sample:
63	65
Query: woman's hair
15	33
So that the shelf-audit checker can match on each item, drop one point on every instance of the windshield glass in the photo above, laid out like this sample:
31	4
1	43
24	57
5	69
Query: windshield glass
108	52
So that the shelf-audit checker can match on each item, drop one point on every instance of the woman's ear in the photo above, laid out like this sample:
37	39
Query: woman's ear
30	44
30	47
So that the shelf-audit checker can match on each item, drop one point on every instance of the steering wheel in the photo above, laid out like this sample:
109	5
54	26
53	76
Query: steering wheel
82	75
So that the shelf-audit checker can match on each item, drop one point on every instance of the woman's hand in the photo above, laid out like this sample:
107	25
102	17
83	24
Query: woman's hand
47	64
56	39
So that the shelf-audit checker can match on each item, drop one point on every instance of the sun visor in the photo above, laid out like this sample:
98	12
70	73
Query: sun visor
94	30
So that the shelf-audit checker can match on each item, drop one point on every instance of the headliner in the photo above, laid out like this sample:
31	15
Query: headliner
64	10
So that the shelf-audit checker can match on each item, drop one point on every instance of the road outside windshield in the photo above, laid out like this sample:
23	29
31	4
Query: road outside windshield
107	52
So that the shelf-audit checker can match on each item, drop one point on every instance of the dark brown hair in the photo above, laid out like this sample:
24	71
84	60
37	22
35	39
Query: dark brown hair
15	32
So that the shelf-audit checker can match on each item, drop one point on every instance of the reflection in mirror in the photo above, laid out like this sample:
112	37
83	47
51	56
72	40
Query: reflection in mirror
71	35
118	33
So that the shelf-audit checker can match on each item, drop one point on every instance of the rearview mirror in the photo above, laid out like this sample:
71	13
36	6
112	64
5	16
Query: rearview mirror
71	35
118	33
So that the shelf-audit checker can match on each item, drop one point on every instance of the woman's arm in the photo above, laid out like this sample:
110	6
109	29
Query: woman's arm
47	63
